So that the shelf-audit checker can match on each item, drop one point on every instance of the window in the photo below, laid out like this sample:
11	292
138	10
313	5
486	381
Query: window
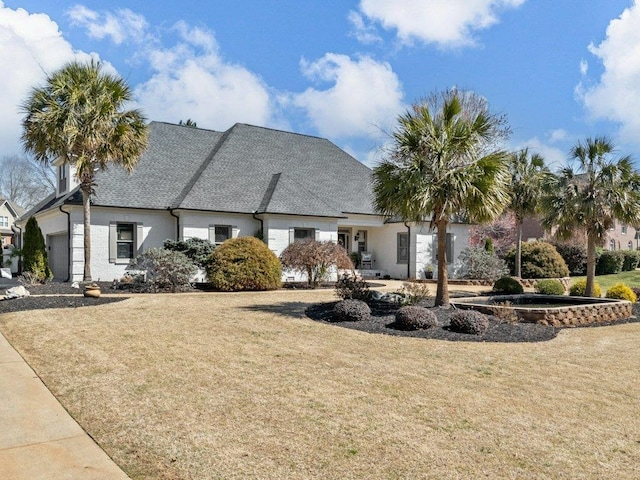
403	247
300	234
624	228
4	221
124	244
449	247
125	241
62	178
630	245
612	245
221	233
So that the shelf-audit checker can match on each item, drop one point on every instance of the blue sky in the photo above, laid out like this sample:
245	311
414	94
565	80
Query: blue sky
559	70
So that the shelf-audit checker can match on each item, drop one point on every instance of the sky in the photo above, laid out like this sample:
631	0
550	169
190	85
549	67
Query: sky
561	71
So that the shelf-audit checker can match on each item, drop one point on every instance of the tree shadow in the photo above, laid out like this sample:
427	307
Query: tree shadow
287	309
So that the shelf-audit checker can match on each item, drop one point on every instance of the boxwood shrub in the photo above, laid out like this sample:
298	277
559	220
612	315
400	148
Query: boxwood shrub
622	292
550	286
578	289
539	260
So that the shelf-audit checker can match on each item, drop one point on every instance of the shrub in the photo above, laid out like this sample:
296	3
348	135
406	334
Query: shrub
578	289
469	321
636	290
244	263
314	259
34	253
166	270
508	285
622	292
414	292
479	264
488	245
539	260
631	260
348	287
197	250
412	317
351	311
575	256
610	262
550	286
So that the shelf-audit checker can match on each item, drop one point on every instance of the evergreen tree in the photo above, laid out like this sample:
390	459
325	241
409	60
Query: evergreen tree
34	252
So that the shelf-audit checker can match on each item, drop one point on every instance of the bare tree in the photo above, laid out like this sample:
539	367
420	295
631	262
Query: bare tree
24	181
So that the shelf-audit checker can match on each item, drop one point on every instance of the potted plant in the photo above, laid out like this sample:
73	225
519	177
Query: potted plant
428	271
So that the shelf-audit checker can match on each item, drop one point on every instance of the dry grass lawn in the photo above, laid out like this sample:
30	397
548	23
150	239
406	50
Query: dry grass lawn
241	386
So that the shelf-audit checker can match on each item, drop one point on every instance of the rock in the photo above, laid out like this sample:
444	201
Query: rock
75	285
16	292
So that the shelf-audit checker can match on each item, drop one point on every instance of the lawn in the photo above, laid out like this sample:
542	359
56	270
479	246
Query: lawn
242	386
631	279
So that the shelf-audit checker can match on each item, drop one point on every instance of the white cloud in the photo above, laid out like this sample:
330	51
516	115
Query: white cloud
557	135
584	67
616	95
447	23
554	157
120	26
31	46
191	80
363	32
364	97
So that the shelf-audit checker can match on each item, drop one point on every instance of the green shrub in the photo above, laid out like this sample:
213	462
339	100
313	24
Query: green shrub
550	286
479	264
610	262
508	285
469	321
165	270
631	260
575	256
197	250
348	287
622	292
351	311
539	260
578	289
488	245
34	253
244	263
412	317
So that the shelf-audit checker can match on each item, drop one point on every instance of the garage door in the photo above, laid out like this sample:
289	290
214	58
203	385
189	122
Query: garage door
59	256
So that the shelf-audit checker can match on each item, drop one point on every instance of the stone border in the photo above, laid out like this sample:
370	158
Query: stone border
588	310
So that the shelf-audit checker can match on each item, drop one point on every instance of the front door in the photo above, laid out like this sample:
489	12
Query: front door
343	240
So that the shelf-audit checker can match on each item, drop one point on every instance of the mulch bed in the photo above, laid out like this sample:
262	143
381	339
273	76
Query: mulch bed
383	318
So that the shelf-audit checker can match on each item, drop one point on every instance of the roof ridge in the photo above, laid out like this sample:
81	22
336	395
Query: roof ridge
203	166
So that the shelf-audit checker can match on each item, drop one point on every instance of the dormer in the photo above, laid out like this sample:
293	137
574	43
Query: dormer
65	177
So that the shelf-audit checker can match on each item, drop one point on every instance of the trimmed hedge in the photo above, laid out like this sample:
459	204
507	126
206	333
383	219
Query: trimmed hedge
508	285
622	292
539	260
578	289
610	262
413	317
351	311
550	286
469	321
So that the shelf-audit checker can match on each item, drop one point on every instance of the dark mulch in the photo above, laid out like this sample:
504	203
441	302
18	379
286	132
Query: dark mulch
383	318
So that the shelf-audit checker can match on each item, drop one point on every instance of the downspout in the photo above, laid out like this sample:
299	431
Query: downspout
177	224
408	250
68	242
253	214
15	227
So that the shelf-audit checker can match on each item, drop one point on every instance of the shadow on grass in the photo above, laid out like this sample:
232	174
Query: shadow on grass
288	309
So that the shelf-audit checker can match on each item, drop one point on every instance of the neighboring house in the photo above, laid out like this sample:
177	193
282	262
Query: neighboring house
622	237
9	212
249	180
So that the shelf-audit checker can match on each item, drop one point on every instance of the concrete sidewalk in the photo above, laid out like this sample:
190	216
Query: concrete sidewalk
38	438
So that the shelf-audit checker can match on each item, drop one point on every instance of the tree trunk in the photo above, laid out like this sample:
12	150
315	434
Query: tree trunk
518	269
86	207
442	292
591	265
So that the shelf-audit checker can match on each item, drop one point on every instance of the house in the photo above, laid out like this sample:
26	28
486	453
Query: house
9	212
249	180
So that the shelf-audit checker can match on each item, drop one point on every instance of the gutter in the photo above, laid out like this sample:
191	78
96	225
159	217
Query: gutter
253	214
68	242
177	223
408	250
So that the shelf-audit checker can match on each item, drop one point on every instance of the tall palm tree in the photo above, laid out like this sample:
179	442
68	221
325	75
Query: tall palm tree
528	176
591	198
444	162
79	116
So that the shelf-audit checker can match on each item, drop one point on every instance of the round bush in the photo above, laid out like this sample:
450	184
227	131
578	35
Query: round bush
621	292
351	311
469	321
550	286
575	256
244	263
539	260
578	289
413	317
610	262
631	260
165	270
508	285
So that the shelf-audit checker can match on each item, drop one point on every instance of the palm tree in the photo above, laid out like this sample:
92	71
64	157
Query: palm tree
444	162
79	116
601	191
528	175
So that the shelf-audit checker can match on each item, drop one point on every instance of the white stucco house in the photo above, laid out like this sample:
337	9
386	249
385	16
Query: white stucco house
249	180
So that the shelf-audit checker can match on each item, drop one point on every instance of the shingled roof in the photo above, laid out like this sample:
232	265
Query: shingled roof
246	169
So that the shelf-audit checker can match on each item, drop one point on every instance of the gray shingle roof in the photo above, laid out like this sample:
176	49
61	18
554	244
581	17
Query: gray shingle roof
243	170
